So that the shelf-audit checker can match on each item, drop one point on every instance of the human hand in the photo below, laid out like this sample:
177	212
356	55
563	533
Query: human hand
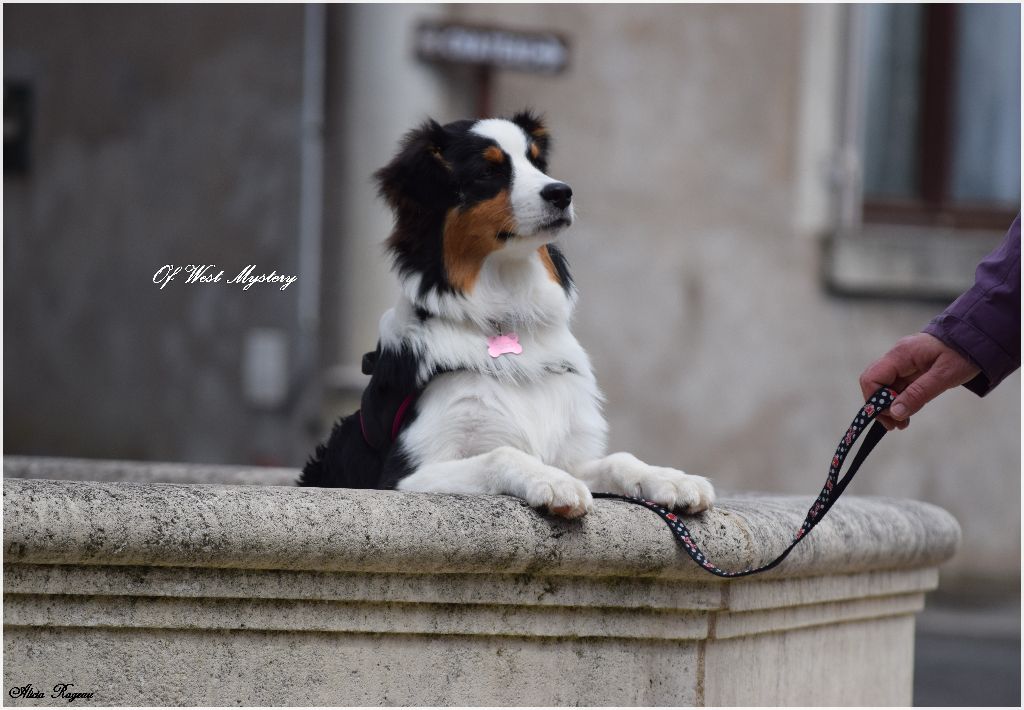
920	367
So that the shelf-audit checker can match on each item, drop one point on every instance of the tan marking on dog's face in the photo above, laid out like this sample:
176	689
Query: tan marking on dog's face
471	235
494	154
534	151
545	257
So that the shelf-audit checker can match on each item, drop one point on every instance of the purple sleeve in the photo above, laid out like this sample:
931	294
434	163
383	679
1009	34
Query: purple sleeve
984	323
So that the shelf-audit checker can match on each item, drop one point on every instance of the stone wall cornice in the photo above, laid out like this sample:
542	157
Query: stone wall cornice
340	530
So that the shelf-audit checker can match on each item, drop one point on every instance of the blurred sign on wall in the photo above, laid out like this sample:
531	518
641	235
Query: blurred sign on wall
542	52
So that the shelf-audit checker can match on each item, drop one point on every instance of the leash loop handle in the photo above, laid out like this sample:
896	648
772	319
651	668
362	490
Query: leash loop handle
830	492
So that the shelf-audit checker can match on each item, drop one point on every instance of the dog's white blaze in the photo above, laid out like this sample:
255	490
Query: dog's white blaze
531	210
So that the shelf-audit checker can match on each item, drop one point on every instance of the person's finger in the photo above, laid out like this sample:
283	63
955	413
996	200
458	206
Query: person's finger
881	373
919	393
889	423
894	369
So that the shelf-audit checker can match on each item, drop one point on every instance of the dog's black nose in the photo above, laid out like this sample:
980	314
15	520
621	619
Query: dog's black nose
557	193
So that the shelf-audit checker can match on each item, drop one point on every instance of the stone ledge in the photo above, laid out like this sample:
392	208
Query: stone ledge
211	594
340	530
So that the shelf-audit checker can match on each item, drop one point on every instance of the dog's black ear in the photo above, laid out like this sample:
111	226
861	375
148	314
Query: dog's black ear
418	176
533	125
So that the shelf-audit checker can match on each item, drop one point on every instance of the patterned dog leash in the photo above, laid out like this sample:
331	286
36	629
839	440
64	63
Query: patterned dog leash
834	487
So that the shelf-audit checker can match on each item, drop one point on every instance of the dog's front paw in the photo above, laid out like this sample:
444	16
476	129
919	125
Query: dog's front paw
559	493
668	487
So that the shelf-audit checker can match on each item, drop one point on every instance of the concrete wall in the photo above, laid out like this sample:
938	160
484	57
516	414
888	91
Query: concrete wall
697	139
163	135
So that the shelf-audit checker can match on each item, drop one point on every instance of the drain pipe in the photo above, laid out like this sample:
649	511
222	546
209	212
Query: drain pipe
311	180
311	198
849	171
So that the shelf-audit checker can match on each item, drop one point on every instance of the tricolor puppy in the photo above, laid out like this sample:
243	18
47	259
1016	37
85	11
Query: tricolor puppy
478	386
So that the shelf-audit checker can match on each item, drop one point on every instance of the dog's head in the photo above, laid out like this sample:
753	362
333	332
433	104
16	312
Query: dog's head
463	191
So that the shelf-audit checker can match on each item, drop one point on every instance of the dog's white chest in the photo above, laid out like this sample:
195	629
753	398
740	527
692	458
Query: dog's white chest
461	414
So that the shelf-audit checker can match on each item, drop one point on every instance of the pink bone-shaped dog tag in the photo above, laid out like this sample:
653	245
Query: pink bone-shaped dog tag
498	345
